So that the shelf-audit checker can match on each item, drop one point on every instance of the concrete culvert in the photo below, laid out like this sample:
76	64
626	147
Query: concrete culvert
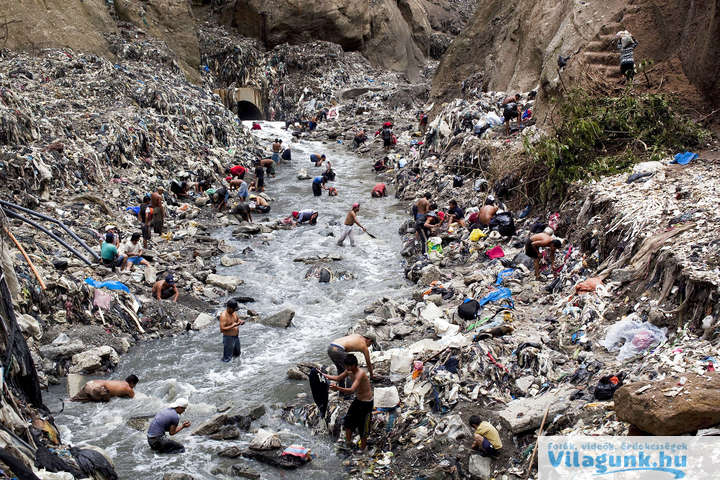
248	111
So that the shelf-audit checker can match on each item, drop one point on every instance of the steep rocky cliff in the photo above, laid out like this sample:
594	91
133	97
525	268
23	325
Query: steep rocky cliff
398	35
514	45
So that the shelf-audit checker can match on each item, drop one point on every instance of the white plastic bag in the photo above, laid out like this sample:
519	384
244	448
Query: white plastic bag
632	337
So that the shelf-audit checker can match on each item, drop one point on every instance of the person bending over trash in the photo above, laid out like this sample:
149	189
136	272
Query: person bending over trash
359	414
379	190
486	213
242	210
532	249
229	323
456	213
318	185
109	252
359	138
511	109
485	437
307	215
317	159
167	420
350	221
180	189
164	289
104	390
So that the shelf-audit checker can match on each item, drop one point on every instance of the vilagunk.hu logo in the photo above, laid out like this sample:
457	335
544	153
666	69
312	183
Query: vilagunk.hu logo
641	458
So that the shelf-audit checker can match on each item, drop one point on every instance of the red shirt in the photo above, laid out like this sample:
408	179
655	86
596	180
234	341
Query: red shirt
380	188
237	170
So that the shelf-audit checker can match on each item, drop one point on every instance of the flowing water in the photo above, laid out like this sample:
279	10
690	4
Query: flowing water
190	366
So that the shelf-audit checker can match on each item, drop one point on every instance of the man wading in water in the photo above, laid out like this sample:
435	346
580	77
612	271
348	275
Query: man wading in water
360	412
104	390
167	420
350	221
229	323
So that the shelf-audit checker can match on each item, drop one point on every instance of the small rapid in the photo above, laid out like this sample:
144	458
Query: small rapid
189	365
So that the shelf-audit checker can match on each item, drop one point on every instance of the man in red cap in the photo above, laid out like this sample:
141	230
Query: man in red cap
350	221
305	216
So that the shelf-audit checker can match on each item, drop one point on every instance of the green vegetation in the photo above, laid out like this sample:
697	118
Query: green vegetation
600	135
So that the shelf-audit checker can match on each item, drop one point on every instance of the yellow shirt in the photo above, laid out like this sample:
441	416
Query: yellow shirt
489	432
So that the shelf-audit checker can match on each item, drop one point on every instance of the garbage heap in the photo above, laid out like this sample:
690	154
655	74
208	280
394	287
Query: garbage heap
82	140
619	337
297	81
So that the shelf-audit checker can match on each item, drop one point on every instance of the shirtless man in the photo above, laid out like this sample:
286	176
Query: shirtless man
269	165
276	148
158	212
420	211
164	289
360	412
486	213
532	249
229	323
104	390
340	348
350	221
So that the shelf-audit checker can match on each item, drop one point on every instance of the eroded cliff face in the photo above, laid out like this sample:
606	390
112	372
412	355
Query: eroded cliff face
83	25
397	35
514	45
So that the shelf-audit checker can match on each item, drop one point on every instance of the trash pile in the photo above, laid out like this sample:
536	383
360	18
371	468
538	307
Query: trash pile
82	140
630	300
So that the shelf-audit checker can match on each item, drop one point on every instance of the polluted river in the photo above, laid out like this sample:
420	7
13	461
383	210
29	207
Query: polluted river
189	365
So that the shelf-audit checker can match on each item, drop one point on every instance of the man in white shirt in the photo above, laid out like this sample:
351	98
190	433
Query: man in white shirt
132	250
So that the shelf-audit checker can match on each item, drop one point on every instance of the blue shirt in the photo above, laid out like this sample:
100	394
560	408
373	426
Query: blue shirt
318	179
162	422
314	158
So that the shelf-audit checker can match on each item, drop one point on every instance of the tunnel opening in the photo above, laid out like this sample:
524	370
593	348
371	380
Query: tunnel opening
248	111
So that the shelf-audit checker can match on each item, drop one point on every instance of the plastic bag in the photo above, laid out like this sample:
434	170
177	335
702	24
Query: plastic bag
631	337
476	235
434	248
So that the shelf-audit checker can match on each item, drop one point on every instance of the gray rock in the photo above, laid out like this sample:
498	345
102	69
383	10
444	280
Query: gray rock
230	452
401	331
524	383
95	359
226	282
429	274
139	422
436	299
480	467
203	320
296	374
254	412
247	229
61	351
282	319
178	476
242	471
228	261
375	321
75	382
526	413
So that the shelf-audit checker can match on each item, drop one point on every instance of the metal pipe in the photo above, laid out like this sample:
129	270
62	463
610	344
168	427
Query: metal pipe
12	214
58	222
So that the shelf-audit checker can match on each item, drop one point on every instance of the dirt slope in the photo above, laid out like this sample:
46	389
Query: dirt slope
514	45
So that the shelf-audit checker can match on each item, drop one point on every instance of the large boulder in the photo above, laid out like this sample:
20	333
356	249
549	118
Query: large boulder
667	408
282	319
95	359
61	351
526	413
226	282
